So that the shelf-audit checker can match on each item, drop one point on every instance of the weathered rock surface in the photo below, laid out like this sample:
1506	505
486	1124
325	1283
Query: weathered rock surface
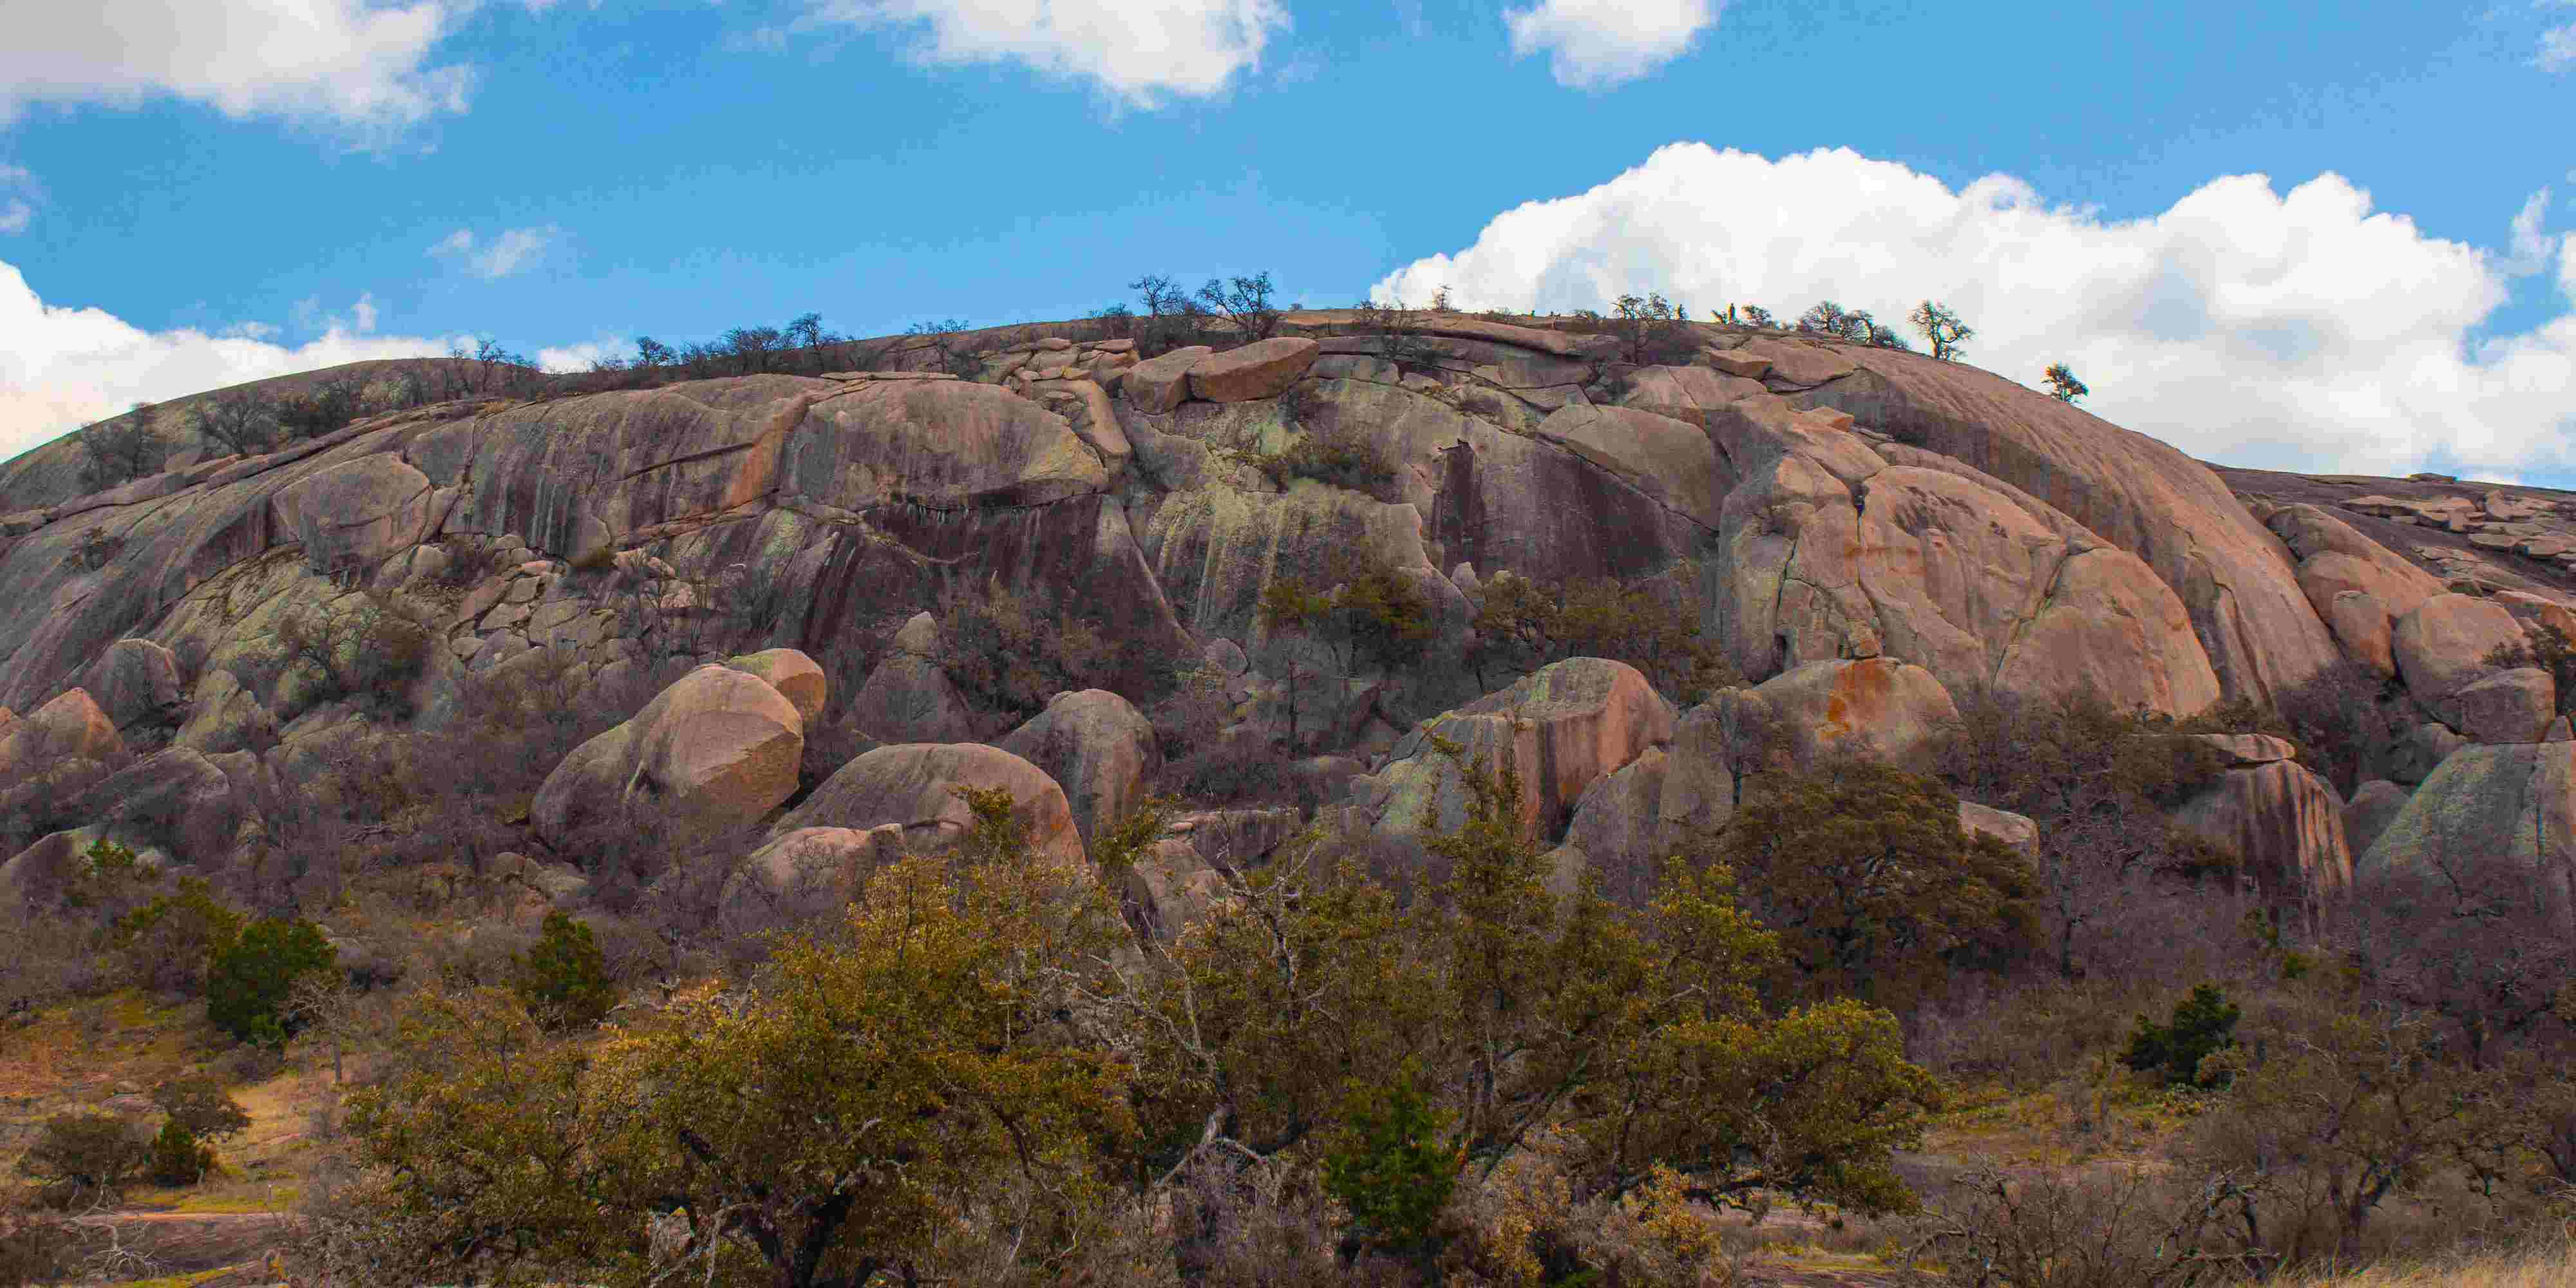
2276	815
359	512
1096	747
2513	802
136	683
1877	707
1562	728
2374	805
1261	369
1160	384
2441	645
907	785
2015	830
717	749
2507	706
909	698
805	874
2359	587
71	727
793	674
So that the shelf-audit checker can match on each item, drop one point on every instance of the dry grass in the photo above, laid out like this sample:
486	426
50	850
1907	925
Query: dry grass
2550	1265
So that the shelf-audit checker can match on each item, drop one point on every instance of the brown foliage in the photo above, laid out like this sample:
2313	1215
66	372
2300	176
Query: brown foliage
1652	625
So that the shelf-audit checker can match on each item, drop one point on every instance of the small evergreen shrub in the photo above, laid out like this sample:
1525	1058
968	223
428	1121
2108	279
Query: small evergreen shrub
1391	1169
249	978
563	977
177	1156
2202	1025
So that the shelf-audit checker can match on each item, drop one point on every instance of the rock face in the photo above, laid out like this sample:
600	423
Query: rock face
2281	819
908	698
1878	708
1096	747
2359	587
907	786
359	512
716	750
1561	728
136	683
2515	802
1261	369
2508	706
2232	576
2015	830
793	674
2440	645
70	727
2374	805
805	874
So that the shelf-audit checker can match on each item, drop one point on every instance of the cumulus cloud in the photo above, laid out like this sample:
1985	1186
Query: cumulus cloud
1142	52
17	184
513	250
2531	247
578	357
2296	330
1595	44
362	65
15	215
62	367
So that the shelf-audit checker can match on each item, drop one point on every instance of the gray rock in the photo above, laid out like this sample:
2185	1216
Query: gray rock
1097	748
908	698
2374	805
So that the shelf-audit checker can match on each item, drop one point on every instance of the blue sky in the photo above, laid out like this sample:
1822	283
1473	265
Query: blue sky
209	190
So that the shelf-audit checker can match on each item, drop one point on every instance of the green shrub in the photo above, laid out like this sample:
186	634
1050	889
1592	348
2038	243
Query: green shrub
564	977
200	1105
1652	626
167	942
177	1157
2547	647
2203	1024
1330	455
1391	1168
249	978
80	1154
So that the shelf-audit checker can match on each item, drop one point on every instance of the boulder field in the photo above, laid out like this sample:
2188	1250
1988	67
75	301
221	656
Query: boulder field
1872	535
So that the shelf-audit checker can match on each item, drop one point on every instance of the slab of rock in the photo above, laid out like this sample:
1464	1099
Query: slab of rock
2508	706
1261	369
2440	646
2015	830
1796	362
1169	887
2421	749
909	698
1619	828
2233	577
1160	384
908	784
806	874
1096	747
2514	802
1562	728
944	445
2374	805
793	674
717	749
1880	708
357	512
136	682
2283	821
71	727
1737	363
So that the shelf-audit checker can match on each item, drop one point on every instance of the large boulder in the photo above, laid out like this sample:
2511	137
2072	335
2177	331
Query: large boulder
2514	802
1169	886
2276	815
2015	830
71	727
2233	577
716	750
358	513
2359	587
908	785
2374	805
793	674
1261	369
136	682
1159	384
2442	646
1097	747
939	444
1877	707
174	800
2508	706
1561	728
802	875
908	698
1619	829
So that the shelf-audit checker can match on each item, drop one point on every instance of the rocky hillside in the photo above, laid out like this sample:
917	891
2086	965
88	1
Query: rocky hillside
1868	535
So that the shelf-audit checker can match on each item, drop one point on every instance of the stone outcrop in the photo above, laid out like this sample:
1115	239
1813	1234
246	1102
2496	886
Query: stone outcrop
1097	748
1261	369
1561	729
793	674
2508	706
2014	830
2374	805
2359	587
716	750
2441	646
2283	821
1877	707
908	786
136	683
2514	803
908	698
71	727
803	875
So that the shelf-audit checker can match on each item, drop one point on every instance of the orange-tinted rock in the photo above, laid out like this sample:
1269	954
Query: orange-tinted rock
71	727
793	674
908	784
1097	748
1160	384
1877	707
717	749
2441	646
1261	369
2283	821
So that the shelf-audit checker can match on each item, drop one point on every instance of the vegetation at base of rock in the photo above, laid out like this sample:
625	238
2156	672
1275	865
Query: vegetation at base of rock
2546	646
1331	455
1008	650
1652	625
369	646
2202	1025
249	977
563	977
125	447
1876	890
1367	612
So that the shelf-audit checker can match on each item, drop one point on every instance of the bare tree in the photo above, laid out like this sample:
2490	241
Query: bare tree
1245	302
127	447
1942	327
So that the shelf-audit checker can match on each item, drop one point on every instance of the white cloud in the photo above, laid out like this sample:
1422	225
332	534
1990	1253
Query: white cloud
252	330
1140	51
363	312
1595	44
2531	247
63	367
360	65
578	357
17	183
514	249
15	215
2558	48
2298	330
